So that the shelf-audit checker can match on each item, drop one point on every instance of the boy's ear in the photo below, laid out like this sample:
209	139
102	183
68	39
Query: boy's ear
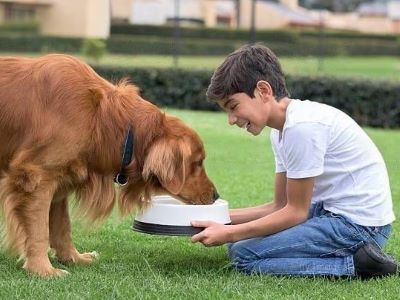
264	88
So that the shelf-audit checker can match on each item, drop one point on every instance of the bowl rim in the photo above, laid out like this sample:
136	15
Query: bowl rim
157	201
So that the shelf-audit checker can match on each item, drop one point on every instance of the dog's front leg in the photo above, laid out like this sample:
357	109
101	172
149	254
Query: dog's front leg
60	235
33	213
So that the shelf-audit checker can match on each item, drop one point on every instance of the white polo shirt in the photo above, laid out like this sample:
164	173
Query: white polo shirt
351	179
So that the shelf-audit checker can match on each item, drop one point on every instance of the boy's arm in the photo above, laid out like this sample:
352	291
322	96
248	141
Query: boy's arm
243	215
299	193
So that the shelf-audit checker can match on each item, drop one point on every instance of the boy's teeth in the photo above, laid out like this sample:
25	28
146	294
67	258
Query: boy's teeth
245	125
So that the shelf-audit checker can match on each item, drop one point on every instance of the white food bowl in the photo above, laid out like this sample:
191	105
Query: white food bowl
169	216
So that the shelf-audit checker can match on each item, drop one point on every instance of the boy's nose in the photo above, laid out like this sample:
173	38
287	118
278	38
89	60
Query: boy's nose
231	119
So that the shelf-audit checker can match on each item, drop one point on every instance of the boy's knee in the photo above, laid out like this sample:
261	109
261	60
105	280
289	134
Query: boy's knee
241	257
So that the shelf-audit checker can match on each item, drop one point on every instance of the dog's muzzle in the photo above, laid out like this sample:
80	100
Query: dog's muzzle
215	195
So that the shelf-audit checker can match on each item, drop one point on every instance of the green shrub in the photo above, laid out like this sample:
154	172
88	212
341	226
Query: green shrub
203	33
38	43
283	42
293	44
30	27
370	103
129	44
94	49
167	46
282	35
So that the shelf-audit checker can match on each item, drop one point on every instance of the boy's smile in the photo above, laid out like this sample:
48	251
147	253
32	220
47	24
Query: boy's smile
246	112
253	114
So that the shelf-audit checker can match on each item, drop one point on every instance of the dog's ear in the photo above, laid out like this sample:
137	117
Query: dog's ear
167	161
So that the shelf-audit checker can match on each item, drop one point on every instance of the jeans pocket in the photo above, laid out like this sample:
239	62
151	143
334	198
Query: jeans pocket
349	224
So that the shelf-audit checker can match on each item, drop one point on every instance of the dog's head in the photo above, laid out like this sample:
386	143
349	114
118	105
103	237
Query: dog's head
176	161
169	158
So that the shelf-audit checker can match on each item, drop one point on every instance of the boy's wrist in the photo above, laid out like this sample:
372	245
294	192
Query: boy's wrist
234	233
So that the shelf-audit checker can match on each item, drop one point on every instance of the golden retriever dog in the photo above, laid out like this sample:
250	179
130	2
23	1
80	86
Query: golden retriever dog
64	130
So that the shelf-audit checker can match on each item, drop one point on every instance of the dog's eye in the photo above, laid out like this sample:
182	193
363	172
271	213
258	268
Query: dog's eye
200	163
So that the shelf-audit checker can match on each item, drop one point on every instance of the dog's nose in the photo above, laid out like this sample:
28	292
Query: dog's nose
215	195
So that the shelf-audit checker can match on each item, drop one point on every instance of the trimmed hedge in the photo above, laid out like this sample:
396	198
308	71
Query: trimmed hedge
115	44
38	43
203	33
304	47
242	34
286	45
166	87
20	27
283	42
123	44
370	103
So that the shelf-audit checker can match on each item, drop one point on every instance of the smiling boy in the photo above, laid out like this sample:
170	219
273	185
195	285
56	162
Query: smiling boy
332	208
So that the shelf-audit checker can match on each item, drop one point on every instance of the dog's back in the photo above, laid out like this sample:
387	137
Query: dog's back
37	96
15	89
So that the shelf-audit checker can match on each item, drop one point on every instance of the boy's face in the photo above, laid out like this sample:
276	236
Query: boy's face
245	112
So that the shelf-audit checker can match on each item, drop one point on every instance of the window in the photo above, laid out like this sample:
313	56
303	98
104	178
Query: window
19	12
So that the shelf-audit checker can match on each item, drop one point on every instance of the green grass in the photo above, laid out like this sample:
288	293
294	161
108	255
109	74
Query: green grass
362	67
139	266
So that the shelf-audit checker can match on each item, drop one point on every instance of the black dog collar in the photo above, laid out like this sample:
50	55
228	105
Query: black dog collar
121	177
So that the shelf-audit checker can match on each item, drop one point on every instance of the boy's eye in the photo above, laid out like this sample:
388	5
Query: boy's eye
234	106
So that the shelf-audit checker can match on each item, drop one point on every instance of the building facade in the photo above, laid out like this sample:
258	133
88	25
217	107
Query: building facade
92	18
72	18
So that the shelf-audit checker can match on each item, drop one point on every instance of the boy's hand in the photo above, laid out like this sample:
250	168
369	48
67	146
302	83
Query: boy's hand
214	234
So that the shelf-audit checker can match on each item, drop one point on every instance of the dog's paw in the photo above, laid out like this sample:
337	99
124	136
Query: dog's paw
87	258
79	258
46	272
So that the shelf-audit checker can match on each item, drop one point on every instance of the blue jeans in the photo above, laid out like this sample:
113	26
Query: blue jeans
324	245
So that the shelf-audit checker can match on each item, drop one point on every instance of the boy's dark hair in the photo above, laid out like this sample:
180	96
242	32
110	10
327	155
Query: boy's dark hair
242	69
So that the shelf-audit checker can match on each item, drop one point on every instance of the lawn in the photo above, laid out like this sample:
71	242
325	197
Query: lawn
140	266
362	67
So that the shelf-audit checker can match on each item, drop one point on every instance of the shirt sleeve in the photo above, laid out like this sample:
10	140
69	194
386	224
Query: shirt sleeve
279	165
304	147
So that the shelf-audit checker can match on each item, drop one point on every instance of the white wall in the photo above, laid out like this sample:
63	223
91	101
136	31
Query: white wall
76	18
121	9
98	18
394	10
157	12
